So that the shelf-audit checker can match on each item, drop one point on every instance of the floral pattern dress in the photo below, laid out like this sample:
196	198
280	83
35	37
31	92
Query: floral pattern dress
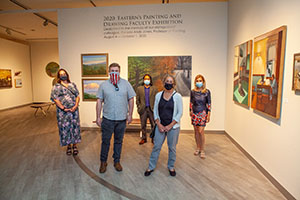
68	122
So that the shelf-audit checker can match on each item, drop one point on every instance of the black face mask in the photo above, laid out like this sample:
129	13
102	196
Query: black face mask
168	86
63	78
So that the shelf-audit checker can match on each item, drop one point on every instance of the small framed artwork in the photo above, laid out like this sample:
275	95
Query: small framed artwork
18	82
242	73
296	74
90	88
94	65
5	78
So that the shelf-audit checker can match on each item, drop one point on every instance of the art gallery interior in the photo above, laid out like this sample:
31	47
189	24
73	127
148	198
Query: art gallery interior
251	154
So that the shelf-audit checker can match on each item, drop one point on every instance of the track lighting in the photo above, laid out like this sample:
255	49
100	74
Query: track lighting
45	23
8	31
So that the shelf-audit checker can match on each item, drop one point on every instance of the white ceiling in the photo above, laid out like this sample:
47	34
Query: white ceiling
25	25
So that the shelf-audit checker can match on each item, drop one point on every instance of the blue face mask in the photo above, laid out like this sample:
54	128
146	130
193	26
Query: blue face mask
199	84
63	78
147	82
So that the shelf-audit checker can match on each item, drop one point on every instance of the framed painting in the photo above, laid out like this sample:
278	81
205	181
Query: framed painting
18	82
94	65
5	78
296	72
268	63
90	88
242	73
158	66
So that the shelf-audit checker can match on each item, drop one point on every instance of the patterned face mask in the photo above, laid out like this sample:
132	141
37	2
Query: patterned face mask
114	77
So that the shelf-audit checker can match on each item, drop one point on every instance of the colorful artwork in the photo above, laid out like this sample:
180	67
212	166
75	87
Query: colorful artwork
18	82
5	78
158	66
90	88
94	65
242	73
268	62
296	76
52	69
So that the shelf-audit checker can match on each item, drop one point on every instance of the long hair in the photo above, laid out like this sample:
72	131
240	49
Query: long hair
151	83
204	83
58	76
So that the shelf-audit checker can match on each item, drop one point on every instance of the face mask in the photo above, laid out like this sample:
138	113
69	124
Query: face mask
147	82
114	77
199	84
63	78
168	86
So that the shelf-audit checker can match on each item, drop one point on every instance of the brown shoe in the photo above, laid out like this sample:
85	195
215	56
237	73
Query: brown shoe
143	141
103	167
118	167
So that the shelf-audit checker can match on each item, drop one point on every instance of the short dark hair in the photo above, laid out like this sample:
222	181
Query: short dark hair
58	76
114	65
151	83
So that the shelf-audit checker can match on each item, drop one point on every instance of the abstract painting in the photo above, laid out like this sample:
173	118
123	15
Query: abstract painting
5	78
94	65
90	88
296	74
158	66
268	63
242	73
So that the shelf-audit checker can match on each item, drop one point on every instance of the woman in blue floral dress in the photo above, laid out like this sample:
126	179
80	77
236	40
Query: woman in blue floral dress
66	97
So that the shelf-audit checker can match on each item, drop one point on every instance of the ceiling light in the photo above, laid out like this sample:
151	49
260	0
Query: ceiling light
45	23
8	31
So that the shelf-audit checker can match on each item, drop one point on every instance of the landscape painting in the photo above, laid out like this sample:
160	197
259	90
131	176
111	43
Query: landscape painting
158	66
5	78
268	63
296	76
94	65
90	88
242	73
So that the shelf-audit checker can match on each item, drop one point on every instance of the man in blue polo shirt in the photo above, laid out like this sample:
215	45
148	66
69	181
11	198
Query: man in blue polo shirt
115	98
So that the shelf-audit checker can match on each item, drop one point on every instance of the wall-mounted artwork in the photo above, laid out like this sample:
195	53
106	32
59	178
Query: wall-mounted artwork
242	73
268	62
94	65
90	88
52	69
18	73
18	82
5	78
158	66
296	74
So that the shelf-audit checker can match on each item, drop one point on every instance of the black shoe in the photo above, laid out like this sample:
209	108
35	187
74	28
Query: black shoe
172	173
148	173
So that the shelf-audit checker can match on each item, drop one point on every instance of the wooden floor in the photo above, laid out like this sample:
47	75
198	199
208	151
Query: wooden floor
34	166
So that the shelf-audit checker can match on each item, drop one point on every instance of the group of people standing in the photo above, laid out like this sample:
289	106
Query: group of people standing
115	102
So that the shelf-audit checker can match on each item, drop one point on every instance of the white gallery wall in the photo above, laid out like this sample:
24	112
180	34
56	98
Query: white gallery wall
42	53
273	143
15	56
205	39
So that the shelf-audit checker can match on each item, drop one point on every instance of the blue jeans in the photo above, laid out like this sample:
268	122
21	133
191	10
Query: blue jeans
108	127
159	138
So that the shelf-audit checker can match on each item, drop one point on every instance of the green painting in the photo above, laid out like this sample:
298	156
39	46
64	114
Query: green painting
94	65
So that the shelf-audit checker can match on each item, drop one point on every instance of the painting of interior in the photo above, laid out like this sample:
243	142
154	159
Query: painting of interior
296	74
268	63
5	78
158	66
242	73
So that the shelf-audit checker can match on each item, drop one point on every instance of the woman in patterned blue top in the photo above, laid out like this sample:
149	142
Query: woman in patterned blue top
200	105
66	97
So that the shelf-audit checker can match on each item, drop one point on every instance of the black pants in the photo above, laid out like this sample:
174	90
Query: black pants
147	114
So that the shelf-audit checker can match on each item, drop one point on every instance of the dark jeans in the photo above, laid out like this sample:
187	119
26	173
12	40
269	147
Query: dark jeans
108	127
147	114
